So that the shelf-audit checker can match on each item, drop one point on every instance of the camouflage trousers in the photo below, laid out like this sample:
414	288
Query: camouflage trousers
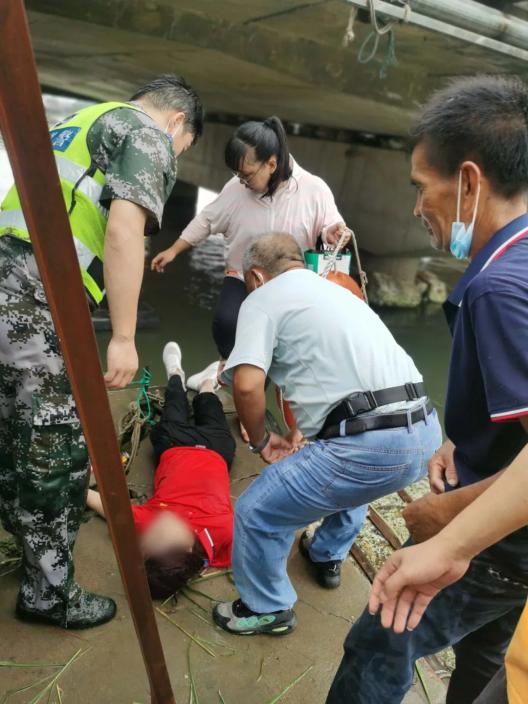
44	465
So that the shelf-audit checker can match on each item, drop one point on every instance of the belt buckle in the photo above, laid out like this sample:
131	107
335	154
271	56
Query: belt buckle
361	397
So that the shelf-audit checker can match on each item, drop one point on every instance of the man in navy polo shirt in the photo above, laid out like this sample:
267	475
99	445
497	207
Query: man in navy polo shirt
470	168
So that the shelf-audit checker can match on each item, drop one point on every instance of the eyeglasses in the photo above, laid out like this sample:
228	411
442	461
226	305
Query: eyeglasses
246	180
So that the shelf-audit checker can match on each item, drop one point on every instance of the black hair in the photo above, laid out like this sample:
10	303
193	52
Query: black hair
268	138
171	92
168	573
483	119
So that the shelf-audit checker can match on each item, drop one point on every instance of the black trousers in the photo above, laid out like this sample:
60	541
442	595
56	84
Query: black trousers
210	428
232	294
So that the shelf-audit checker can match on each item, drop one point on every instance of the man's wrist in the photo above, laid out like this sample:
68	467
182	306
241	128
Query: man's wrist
260	446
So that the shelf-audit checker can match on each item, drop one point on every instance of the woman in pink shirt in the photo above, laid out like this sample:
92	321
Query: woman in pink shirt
269	192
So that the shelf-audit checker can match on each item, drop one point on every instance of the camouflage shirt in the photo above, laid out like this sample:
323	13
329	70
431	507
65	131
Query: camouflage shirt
137	159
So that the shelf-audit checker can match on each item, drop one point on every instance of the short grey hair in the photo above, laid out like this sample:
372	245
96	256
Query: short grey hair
273	253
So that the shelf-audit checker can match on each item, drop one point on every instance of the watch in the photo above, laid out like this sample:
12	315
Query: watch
257	449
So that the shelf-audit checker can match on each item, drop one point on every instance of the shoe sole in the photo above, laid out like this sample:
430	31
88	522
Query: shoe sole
38	618
277	632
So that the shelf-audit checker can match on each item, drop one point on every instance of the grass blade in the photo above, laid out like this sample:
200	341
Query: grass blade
222	700
210	575
290	686
27	665
185	632
194	694
11	692
40	695
193	601
193	590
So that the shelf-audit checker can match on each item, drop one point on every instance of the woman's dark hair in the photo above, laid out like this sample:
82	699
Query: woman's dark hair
268	139
168	573
171	92
482	118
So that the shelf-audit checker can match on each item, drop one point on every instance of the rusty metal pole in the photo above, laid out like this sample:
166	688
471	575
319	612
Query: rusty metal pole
25	131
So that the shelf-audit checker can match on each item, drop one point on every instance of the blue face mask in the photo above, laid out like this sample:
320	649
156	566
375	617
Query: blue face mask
462	236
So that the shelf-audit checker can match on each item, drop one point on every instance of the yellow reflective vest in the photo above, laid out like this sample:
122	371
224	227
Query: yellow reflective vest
82	183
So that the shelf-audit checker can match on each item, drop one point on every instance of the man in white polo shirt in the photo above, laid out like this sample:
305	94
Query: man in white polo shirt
356	395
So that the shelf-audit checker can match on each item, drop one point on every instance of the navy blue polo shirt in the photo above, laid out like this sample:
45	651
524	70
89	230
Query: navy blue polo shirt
488	375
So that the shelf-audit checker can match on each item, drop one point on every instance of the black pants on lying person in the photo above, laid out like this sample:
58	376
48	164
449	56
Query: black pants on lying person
209	429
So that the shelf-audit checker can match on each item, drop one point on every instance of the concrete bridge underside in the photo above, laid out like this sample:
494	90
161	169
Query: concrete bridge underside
285	57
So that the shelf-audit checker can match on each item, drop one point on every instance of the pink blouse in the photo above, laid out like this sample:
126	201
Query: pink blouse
303	207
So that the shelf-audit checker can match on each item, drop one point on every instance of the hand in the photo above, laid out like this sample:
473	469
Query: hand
122	363
161	260
411	578
277	449
296	438
427	516
334	232
442	468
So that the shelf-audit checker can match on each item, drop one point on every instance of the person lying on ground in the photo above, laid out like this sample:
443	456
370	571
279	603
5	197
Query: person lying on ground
411	578
354	392
187	525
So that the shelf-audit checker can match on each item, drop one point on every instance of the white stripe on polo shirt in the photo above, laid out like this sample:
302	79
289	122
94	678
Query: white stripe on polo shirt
500	251
516	412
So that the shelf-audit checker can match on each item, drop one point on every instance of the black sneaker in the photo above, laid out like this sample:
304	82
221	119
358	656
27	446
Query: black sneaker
328	574
235	617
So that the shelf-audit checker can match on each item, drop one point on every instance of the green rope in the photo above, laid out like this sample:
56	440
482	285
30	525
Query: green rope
390	55
143	395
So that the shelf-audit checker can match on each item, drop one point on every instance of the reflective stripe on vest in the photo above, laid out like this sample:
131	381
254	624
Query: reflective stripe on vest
15	218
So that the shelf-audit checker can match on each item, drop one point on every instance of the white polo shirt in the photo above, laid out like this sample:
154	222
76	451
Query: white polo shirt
320	344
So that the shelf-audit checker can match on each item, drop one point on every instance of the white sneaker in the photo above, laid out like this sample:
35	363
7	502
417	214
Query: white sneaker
210	373
172	359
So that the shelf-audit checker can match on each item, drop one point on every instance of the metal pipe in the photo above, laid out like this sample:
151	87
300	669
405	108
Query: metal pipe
24	127
478	18
456	31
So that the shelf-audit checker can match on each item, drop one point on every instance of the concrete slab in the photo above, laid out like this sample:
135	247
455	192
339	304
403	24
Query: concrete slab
253	672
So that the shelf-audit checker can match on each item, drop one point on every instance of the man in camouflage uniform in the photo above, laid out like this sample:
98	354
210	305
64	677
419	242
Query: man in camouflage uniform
44	465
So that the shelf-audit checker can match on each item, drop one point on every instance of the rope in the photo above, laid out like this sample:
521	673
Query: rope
143	395
347	235
349	35
377	33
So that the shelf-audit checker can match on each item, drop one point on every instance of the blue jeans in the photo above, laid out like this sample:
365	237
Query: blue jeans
477	616
334	480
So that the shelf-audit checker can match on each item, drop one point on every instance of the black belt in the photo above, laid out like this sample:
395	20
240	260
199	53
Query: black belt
365	401
383	421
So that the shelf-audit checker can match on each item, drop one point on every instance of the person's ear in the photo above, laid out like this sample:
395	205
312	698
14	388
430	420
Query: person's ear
272	163
175	123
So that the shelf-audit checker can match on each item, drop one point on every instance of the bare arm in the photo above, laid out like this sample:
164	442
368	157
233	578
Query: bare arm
123	273
250	400
93	501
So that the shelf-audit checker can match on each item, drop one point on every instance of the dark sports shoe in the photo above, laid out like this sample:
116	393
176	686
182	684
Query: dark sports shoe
85	610
235	617
328	574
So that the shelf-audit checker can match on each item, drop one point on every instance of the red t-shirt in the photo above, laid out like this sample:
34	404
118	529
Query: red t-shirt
193	483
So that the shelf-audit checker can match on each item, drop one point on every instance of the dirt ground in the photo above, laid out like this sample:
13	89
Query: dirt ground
246	671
